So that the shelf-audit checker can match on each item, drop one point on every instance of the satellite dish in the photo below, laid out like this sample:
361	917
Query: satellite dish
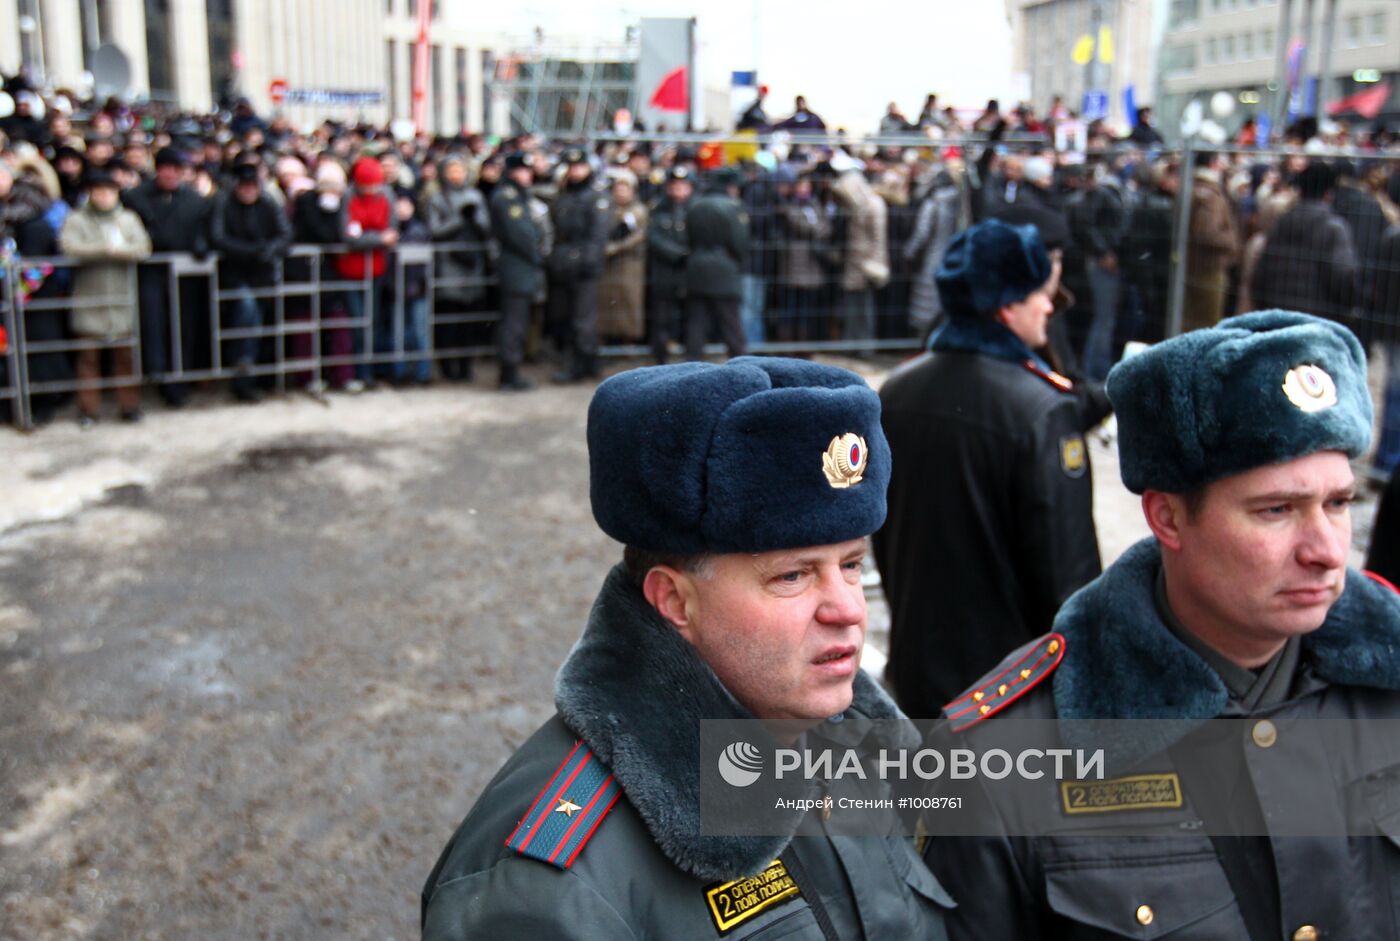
1222	104
1213	133
7	105
403	130
111	71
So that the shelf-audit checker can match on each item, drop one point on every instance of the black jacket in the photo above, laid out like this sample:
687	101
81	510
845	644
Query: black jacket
521	266
667	248
580	214
719	246
1290	822
250	238
1309	264
176	221
990	524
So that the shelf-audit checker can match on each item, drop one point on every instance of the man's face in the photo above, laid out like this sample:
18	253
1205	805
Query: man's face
104	198
679	190
782	630
578	172
168	176
247	191
1265	553
522	177
1029	319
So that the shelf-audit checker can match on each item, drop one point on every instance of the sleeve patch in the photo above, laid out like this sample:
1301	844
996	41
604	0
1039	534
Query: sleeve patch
567	812
1073	459
1001	688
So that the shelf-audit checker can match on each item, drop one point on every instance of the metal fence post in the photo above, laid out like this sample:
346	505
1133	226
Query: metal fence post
1176	297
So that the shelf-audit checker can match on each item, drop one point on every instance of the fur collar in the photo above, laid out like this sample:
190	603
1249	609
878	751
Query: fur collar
1122	662
984	337
635	691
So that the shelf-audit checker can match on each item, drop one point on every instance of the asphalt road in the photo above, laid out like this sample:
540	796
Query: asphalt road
258	662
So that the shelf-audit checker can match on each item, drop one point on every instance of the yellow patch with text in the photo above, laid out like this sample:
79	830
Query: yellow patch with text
733	903
516	212
1073	459
1138	792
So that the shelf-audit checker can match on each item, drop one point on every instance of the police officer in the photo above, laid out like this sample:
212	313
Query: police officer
580	213
1240	608
667	249
520	268
991	525
738	597
718	228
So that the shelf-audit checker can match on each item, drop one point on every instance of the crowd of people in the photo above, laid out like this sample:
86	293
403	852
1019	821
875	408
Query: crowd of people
644	242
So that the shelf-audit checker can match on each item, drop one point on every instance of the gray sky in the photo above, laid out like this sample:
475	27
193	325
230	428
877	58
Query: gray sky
849	58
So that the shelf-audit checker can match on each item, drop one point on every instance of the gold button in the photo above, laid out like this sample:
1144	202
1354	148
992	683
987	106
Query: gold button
1025	674
1054	646
978	696
1265	734
1306	933
1001	690
1145	915
985	709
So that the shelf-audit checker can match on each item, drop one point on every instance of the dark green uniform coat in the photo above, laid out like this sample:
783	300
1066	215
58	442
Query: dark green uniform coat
718	228
1064	865
634	691
667	248
521	267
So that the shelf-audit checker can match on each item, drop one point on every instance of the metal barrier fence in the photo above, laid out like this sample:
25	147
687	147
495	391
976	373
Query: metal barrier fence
805	287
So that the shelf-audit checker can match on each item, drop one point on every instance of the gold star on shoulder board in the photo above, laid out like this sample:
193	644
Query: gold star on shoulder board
567	807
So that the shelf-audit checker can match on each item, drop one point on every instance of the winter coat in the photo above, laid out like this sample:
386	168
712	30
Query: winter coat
580	214
634	862
521	266
459	214
249	238
807	230
1309	264
622	292
668	245
718	228
1215	238
990	524
1214	820
177	221
108	244
314	225
934	228
365	217
1386	329
865	262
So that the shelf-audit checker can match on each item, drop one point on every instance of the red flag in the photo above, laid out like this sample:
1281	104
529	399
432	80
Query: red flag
673	94
420	65
1366	103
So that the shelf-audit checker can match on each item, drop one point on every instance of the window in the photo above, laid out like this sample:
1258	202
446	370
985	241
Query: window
1227	49
1246	46
461	70
1351	33
435	90
1266	42
1179	60
388	7
392	77
1375	28
1212	51
1184	13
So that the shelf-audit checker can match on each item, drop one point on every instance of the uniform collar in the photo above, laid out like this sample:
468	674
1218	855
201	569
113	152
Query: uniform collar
984	337
1123	662
636	691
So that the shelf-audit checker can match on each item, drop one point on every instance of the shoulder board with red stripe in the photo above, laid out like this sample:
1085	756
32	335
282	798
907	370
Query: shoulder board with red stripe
1381	580
1049	375
568	811
1018	675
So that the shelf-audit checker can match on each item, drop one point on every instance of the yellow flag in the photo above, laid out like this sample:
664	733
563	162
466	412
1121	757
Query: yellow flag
1083	50
1105	45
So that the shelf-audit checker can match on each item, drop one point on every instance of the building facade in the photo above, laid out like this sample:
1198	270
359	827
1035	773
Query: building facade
1234	46
1047	34
346	59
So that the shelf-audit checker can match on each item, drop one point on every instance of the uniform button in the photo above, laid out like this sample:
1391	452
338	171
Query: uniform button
1265	734
1306	933
1145	915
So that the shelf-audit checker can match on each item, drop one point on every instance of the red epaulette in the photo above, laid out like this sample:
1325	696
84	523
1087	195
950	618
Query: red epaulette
1380	580
1049	375
567	812
1004	685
